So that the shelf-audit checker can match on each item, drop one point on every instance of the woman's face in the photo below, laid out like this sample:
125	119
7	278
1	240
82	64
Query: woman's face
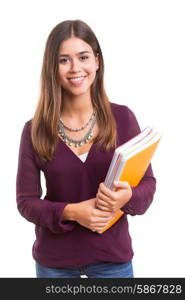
77	66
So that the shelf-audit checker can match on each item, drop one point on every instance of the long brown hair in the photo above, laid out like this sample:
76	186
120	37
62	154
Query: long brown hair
44	129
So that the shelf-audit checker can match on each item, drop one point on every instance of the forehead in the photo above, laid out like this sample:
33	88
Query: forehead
74	45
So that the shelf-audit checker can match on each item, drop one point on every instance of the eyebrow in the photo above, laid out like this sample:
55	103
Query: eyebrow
82	52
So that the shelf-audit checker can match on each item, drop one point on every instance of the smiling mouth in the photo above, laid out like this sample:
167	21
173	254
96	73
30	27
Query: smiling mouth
76	80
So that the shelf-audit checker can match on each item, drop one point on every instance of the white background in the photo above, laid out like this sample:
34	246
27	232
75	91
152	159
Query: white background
143	43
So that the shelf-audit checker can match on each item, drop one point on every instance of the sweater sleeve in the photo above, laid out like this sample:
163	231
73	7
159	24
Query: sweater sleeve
142	195
41	212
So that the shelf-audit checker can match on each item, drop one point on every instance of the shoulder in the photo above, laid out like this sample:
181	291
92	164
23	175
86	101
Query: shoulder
126	120
121	112
27	125
26	129
117	107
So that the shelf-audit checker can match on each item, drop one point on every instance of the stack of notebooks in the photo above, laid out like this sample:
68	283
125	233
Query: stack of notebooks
130	162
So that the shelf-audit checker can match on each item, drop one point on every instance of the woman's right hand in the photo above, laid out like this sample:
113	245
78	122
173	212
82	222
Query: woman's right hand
87	215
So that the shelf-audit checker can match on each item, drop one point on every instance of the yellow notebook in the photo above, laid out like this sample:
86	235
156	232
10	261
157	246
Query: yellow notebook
130	162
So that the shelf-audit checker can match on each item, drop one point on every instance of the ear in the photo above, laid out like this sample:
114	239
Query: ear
97	61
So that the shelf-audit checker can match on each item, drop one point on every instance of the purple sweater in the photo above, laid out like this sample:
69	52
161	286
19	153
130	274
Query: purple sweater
69	180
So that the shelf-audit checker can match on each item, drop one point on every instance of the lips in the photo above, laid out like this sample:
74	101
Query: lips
76	80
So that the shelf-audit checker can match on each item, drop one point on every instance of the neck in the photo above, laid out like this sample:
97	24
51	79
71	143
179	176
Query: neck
77	106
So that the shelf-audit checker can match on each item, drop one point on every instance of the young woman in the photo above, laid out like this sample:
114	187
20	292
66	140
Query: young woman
71	139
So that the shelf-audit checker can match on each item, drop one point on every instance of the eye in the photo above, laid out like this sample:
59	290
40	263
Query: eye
84	57
63	60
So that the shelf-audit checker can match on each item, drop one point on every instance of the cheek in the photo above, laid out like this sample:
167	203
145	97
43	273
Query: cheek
91	70
62	75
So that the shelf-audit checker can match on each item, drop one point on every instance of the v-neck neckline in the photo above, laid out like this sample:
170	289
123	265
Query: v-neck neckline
75	155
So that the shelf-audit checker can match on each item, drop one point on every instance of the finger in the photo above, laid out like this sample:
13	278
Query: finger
100	227
101	221
121	184
104	214
101	203
105	190
103	197
104	200
104	208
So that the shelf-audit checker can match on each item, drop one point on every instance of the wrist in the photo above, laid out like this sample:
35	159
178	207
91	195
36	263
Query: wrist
69	212
130	193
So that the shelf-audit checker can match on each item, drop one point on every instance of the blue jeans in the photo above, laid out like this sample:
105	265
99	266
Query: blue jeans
95	270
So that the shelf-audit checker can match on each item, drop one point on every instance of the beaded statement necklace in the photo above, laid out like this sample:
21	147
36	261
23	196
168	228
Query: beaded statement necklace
77	143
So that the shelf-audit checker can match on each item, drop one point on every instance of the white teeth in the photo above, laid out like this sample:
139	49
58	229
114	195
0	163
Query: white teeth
76	79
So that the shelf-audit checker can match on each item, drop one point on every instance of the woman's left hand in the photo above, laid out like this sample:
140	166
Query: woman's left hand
109	200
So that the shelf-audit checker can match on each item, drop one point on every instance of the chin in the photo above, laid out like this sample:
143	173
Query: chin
78	92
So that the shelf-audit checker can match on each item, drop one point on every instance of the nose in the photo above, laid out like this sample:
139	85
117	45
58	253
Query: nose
75	66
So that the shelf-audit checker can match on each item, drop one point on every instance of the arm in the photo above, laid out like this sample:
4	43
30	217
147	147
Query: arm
142	195
28	191
87	215
132	200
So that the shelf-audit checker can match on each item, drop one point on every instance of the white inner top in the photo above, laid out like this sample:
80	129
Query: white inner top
83	156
